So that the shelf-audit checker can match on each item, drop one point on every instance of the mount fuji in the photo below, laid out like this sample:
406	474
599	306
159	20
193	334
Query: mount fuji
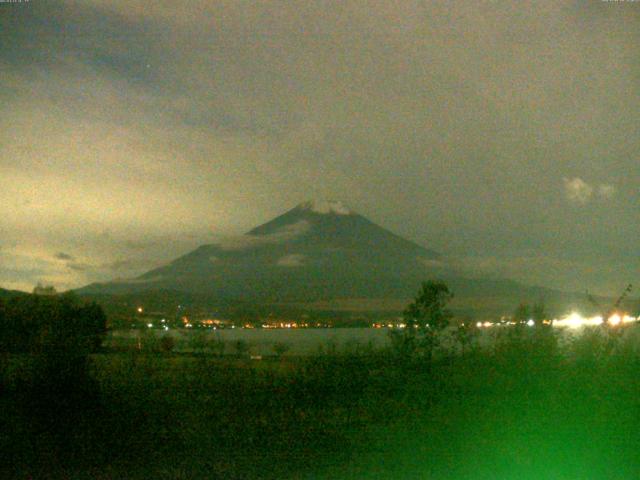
316	252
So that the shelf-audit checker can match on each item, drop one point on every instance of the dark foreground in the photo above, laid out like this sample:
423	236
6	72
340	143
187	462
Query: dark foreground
526	409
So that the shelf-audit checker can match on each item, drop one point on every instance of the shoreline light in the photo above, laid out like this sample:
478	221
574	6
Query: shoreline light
573	320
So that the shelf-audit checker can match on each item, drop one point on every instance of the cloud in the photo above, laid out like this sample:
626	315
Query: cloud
553	270
140	244
247	241
157	278
432	263
132	119
79	266
516	267
22	267
119	265
102	267
292	260
606	191
577	190
580	192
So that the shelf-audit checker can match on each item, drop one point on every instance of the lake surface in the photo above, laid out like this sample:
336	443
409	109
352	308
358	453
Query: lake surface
309	341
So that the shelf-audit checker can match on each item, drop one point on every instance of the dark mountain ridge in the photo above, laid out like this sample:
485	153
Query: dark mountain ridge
320	251
309	252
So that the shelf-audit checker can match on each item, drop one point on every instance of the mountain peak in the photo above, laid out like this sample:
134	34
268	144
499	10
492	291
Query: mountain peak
325	207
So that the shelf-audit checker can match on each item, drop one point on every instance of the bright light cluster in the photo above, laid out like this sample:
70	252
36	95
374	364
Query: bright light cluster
575	320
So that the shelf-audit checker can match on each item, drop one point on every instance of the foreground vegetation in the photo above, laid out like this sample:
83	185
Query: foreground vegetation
532	403
522	409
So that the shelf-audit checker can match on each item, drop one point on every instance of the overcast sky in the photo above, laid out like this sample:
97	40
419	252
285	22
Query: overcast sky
505	135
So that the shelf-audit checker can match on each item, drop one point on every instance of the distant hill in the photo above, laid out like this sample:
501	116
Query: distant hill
10	293
324	256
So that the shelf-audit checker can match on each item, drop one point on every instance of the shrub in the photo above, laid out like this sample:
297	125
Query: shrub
198	340
242	347
280	348
167	343
218	346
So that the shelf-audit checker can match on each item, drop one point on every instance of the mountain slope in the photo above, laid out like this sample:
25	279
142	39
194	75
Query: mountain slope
318	251
315	250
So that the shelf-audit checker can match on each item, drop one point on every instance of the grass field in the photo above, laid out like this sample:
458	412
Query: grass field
521	410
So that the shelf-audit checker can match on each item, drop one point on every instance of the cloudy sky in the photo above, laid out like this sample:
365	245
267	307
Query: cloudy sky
505	135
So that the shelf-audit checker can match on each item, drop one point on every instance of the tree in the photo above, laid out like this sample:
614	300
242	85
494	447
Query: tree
465	335
522	313
3	349
58	332
40	324
92	325
40	289
539	312
424	318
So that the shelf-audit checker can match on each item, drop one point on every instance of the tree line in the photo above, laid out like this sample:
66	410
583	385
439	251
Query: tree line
41	324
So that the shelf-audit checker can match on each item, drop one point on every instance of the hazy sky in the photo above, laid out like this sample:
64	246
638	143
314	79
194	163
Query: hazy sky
505	135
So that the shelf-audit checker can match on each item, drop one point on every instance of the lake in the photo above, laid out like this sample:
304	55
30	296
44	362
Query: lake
309	341
303	341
